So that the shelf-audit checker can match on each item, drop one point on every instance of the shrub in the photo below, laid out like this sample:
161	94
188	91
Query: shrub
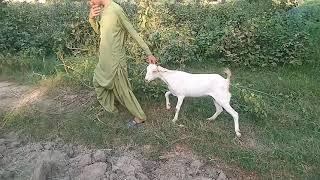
241	33
250	34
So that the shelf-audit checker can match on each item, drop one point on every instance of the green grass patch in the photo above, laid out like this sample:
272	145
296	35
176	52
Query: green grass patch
281	139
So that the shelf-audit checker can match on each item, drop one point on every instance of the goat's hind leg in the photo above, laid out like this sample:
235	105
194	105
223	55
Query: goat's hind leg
235	116
224	101
219	109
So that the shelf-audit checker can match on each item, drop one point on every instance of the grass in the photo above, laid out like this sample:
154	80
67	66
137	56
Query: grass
278	107
279	120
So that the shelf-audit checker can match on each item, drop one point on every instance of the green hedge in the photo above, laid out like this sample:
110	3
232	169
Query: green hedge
240	33
41	30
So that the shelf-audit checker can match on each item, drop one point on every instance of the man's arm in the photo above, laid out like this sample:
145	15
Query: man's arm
94	12
94	24
130	29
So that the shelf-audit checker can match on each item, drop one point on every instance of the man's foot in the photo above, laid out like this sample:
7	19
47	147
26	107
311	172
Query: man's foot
133	124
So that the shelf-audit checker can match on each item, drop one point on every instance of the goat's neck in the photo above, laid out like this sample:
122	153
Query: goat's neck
163	76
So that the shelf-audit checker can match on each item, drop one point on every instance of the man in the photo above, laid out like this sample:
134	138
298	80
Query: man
110	76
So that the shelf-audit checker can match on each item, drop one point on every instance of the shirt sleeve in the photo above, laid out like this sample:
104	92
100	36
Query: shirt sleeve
130	29
95	25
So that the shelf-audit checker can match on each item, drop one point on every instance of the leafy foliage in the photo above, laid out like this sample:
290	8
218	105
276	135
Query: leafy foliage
240	33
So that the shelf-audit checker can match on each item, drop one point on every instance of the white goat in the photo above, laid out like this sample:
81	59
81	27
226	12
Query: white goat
182	84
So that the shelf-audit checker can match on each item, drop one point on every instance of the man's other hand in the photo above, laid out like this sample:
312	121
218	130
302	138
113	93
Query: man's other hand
94	11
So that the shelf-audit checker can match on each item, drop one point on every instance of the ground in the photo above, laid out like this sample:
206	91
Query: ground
56	160
23	159
279	123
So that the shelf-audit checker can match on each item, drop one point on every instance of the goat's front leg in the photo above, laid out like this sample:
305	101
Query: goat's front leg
168	105
179	103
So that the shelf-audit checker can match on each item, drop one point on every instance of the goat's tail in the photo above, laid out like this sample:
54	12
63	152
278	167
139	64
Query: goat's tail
228	73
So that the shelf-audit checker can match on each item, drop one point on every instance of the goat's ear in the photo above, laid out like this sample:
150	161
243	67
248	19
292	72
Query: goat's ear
161	69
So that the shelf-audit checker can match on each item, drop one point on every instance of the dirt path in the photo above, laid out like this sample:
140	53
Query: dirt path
57	160
9	94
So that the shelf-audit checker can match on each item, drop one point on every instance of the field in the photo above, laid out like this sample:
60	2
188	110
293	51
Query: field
277	99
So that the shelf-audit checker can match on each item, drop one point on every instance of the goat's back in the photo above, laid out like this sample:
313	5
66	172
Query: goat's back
196	85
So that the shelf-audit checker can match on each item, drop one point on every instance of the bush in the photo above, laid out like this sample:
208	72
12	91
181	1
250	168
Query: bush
243	33
41	30
239	33
308	17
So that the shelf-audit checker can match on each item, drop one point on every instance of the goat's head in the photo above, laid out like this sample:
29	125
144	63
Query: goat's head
153	72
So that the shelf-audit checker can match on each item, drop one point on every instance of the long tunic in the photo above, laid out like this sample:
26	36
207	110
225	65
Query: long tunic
113	28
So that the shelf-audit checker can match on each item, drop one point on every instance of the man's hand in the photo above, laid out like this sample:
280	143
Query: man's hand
94	11
152	60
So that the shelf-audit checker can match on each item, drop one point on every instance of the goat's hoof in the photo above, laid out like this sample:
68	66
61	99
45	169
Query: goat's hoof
210	119
168	107
174	120
238	134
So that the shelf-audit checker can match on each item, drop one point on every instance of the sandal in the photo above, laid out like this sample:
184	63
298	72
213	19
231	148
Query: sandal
133	124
